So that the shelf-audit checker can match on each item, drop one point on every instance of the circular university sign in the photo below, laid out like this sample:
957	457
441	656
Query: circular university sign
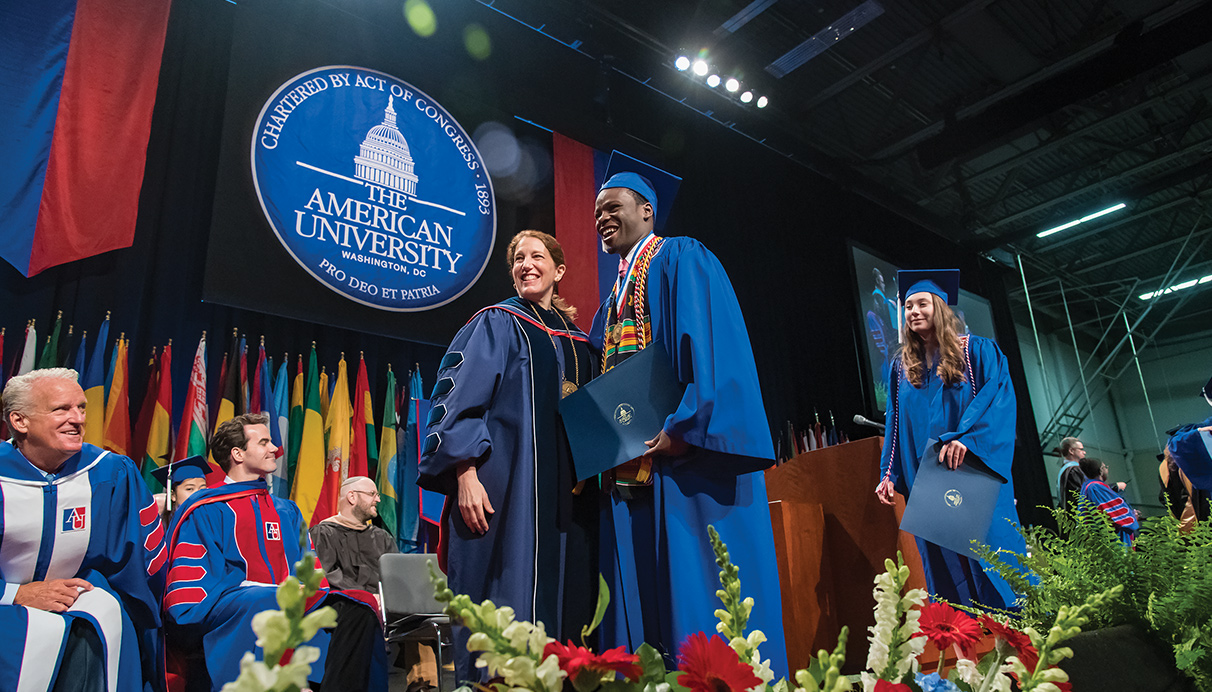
373	188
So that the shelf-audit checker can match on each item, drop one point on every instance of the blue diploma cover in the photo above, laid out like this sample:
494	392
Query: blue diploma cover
952	508
609	419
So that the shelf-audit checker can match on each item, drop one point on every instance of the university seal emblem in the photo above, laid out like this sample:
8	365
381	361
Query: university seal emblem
373	188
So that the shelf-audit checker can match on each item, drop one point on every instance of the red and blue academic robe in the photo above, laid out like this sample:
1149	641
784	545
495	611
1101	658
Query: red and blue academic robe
656	556
229	548
1117	509
93	520
496	403
980	412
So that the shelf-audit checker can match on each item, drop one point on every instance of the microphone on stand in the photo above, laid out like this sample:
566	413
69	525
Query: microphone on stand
861	420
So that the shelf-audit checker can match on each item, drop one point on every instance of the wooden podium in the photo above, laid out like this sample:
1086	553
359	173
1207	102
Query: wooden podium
832	535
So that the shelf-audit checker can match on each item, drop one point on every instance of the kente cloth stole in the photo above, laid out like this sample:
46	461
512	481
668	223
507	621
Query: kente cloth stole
627	332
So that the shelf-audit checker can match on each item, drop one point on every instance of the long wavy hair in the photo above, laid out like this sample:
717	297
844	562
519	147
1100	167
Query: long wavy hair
556	251
951	354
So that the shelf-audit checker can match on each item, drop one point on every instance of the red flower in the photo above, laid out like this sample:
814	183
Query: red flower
710	665
885	686
1021	643
945	626
574	659
1013	637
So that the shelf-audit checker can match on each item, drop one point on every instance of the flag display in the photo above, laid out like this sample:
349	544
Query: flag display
158	449
309	472
410	456
80	80
117	406
192	436
281	421
296	425
337	442
30	352
94	389
138	440
363	454
50	352
389	498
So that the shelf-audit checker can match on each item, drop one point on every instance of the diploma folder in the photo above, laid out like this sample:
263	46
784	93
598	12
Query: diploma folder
952	508
609	419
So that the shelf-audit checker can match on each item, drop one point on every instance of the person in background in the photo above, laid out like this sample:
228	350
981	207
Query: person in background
82	554
1070	478
188	477
514	529
1104	473
229	548
348	546
956	390
1117	509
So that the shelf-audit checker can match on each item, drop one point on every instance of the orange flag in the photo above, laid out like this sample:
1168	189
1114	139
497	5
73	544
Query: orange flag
117	406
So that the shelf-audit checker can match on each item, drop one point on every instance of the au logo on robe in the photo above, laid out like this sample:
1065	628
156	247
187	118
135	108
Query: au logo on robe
373	188
75	519
272	531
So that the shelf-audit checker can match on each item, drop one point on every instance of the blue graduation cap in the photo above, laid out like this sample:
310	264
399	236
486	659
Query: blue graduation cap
655	185
943	283
190	467
1207	391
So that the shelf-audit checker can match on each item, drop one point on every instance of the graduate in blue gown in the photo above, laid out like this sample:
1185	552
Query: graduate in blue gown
513	530
955	389
82	551
704	465
1106	500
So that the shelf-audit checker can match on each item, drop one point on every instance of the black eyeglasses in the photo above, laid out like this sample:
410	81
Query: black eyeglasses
375	494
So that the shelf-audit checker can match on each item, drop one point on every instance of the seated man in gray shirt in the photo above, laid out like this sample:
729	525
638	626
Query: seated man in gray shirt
347	544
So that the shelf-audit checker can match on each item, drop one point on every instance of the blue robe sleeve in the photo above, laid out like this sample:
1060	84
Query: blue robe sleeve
1116	508
138	548
695	314
469	377
201	587
987	426
1191	449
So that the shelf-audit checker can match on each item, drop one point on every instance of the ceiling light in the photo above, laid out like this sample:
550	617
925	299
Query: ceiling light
1071	224
1176	287
762	101
732	84
713	81
682	63
747	97
700	67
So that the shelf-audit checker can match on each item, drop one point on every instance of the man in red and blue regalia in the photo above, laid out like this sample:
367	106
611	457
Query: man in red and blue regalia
81	550
229	548
1117	509
703	467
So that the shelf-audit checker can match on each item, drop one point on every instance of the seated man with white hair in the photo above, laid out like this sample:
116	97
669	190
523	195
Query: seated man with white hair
81	550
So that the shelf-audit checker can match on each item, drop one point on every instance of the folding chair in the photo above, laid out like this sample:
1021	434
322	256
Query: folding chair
409	609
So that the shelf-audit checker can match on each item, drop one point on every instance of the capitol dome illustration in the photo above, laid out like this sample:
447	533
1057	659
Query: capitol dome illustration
384	158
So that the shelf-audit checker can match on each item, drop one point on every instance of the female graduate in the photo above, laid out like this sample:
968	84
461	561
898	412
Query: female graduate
955	389
513	530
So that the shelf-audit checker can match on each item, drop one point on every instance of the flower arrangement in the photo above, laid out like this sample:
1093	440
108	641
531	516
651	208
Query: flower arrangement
519	655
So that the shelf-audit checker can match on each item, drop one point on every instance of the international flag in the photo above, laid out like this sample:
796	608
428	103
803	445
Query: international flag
309	473
281	398
192	436
138	440
295	423
82	355
230	402
79	84
254	396
93	382
389	499
337	442
50	352
325	396
244	399
410	448
117	406
363	454
29	354
265	404
159	447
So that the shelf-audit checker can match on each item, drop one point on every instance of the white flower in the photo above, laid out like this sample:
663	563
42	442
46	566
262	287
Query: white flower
519	672
762	670
503	615
517	633
869	681
549	673
539	639
478	641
